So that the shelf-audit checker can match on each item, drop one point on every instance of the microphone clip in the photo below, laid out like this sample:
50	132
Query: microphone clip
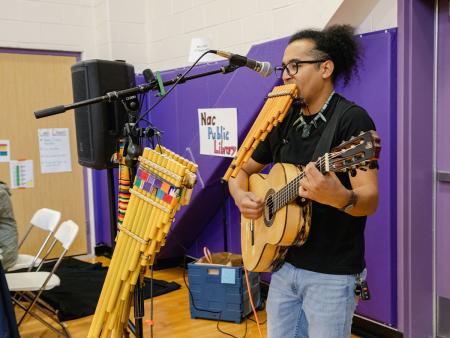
229	68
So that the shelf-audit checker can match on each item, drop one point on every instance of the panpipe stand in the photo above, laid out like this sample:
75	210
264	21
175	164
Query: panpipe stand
138	302
139	311
137	329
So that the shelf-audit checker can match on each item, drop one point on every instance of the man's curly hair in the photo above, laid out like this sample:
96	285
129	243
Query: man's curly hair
336	43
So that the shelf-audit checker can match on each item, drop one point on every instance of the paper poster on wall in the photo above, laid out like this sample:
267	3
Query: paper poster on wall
54	150
4	151
198	47
21	174
218	131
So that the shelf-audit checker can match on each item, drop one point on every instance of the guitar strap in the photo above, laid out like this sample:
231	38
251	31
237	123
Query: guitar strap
325	141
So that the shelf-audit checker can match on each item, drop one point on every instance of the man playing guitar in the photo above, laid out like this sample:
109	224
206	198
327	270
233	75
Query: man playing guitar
313	293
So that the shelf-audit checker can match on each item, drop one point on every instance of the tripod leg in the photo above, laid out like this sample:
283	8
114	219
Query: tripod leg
138	299
139	306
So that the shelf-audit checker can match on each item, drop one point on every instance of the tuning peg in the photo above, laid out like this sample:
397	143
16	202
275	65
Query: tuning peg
353	172
373	165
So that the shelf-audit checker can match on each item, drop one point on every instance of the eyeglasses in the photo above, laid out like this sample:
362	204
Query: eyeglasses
292	67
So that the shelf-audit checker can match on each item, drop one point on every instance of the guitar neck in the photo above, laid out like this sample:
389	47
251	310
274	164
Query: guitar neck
358	152
289	192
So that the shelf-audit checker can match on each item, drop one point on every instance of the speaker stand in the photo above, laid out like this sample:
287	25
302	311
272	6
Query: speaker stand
112	207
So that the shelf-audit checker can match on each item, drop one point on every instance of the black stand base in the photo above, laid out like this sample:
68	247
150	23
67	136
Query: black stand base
138	301
172	262
103	250
369	329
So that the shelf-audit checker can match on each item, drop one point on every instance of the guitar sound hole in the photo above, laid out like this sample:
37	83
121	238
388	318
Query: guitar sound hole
269	209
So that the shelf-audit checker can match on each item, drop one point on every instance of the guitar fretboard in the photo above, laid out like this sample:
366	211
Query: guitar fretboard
358	152
289	192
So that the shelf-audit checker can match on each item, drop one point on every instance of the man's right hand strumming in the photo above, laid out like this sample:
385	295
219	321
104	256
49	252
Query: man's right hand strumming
250	205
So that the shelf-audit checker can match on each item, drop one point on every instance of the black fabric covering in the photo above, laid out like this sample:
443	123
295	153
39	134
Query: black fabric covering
81	284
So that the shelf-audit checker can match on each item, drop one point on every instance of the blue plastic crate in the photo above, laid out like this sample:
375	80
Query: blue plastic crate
221	289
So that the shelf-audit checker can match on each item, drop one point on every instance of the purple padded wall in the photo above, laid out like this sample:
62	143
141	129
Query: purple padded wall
443	155
415	167
376	91
101	212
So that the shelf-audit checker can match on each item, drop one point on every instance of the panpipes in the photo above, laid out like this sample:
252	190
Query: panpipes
278	102
163	182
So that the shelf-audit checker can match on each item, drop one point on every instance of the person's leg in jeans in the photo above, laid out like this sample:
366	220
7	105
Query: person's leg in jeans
304	304
285	317
329	304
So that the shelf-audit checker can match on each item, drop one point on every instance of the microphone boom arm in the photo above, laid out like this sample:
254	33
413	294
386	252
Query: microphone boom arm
116	95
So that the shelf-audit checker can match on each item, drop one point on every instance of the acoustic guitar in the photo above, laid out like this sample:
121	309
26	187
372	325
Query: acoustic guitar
286	217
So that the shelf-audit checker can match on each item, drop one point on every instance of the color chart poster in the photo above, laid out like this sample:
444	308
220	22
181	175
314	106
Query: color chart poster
4	151
21	174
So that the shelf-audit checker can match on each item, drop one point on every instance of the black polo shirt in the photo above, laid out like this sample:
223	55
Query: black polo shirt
336	240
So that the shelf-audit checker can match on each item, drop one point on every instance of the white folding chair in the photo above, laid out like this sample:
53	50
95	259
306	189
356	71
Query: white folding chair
30	285
47	220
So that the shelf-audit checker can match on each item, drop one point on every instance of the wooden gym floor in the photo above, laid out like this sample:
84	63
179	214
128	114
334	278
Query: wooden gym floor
171	317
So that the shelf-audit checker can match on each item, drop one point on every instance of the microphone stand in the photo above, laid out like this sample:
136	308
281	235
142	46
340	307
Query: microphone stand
116	95
137	328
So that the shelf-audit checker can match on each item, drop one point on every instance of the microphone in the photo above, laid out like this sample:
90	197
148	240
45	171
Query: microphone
262	67
148	75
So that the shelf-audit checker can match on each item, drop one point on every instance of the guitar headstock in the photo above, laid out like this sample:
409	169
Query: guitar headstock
359	152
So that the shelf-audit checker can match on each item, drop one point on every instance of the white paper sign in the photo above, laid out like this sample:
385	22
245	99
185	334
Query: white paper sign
54	150
21	173
218	131
4	151
198	47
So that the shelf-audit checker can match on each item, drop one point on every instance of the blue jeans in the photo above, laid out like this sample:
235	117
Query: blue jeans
308	304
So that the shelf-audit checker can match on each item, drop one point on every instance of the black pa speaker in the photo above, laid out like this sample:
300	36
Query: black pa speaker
100	125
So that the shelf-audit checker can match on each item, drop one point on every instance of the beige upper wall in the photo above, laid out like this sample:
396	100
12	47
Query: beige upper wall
53	24
157	33
236	25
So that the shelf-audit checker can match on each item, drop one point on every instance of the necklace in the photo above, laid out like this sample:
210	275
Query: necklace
307	126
